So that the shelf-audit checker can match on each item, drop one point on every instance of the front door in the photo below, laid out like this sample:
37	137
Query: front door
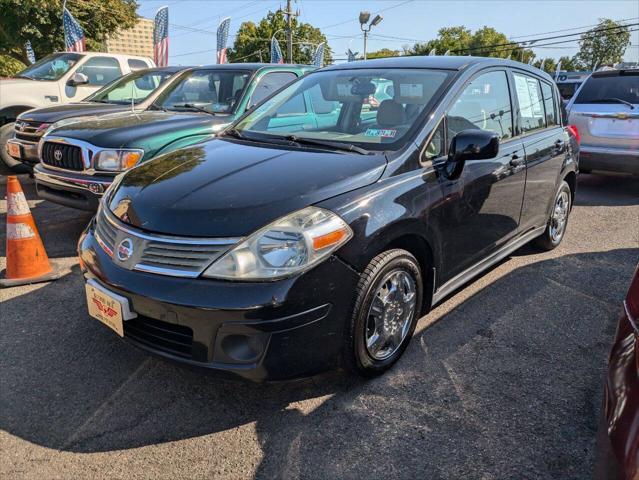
484	203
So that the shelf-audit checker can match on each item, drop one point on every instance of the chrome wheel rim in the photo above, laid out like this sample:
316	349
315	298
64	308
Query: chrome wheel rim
390	314
559	216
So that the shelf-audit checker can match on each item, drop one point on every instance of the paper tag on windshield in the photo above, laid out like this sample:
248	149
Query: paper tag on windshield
380	132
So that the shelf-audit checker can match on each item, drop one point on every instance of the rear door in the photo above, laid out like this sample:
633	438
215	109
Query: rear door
606	111
545	144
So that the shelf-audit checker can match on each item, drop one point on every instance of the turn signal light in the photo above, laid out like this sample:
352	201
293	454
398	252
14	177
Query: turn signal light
130	159
331	238
575	132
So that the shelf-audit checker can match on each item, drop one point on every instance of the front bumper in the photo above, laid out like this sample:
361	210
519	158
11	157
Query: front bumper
71	189
28	150
609	159
259	331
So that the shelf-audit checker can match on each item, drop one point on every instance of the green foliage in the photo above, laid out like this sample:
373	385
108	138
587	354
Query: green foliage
571	64
383	53
603	47
454	39
462	41
10	66
40	21
549	64
253	42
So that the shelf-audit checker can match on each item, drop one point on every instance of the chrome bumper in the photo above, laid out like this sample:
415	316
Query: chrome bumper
28	150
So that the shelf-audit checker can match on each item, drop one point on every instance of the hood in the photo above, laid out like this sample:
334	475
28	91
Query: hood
60	112
135	129
223	188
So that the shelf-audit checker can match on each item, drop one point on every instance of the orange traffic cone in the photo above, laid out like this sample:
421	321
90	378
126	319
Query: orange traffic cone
27	261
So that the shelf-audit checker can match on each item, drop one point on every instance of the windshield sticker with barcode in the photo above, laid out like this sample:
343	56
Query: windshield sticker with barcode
381	132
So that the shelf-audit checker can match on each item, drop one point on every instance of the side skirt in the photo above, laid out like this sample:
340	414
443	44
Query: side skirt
472	272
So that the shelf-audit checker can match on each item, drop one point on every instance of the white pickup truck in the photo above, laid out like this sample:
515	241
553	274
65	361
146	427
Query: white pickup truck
57	79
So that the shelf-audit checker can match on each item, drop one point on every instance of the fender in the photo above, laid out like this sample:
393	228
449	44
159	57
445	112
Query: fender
183	142
9	114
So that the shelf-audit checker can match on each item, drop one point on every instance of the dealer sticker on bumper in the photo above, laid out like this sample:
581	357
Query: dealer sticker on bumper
13	149
108	307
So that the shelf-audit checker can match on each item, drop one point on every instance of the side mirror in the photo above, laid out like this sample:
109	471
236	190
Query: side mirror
470	145
78	79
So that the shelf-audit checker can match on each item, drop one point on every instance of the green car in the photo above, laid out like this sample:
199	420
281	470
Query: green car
79	160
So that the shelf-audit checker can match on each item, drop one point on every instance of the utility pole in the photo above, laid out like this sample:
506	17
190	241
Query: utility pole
289	29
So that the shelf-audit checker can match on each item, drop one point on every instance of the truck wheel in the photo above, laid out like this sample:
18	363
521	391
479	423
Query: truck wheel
387	307
6	132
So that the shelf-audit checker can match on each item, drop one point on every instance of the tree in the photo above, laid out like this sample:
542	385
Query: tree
383	53
253	42
454	39
549	64
571	64
10	66
601	46
485	42
40	21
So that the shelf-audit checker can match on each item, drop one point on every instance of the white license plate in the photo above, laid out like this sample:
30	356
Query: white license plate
14	150
107	307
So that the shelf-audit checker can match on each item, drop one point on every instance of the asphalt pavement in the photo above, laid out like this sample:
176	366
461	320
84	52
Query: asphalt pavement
503	380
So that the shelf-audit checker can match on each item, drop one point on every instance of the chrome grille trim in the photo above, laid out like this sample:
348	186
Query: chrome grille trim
159	254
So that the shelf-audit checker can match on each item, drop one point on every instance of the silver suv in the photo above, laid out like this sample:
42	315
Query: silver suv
605	111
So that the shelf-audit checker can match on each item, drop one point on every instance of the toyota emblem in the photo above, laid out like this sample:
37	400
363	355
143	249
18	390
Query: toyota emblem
125	249
57	154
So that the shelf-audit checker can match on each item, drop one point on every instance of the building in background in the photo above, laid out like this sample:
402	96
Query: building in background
134	41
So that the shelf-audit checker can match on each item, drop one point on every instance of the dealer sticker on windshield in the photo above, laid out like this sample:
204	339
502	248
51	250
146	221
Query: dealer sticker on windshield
380	132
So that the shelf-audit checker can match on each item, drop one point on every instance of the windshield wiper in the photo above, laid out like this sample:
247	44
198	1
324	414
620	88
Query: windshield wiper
194	107
234	132
324	143
614	99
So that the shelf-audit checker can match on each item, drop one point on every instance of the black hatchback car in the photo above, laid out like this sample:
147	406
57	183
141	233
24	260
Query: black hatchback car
299	241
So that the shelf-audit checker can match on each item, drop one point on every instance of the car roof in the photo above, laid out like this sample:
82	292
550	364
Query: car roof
172	69
447	62
256	66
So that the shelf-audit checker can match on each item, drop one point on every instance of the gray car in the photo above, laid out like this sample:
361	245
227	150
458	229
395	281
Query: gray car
605	111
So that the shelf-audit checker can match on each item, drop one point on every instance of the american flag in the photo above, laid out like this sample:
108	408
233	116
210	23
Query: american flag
73	33
276	51
318	56
222	38
161	37
29	50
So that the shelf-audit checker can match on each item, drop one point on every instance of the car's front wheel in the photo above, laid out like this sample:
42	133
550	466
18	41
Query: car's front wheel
558	221
387	307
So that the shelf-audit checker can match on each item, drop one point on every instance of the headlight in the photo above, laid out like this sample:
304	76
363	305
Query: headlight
287	246
117	160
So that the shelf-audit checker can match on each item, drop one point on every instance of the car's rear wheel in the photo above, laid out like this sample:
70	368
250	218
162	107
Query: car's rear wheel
387	307
558	221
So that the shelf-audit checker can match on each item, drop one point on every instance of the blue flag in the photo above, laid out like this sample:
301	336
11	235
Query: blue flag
30	52
222	38
276	51
318	56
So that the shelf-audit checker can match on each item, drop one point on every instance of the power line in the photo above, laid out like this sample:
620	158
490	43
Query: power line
356	20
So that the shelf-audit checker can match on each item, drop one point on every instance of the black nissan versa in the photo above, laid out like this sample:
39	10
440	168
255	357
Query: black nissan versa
293	244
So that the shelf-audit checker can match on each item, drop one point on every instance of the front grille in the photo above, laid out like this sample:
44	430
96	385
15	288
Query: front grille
70	156
31	131
173	256
162	336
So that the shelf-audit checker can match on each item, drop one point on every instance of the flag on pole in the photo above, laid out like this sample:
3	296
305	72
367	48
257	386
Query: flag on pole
530	62
318	56
161	37
222	38
543	64
29	50
433	52
276	51
557	70
350	55
74	40
447	53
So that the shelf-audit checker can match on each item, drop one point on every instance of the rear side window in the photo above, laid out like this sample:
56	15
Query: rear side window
549	105
270	83
101	70
135	65
602	89
531	104
484	104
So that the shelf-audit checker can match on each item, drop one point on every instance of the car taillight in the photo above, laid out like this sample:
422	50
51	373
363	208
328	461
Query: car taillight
575	132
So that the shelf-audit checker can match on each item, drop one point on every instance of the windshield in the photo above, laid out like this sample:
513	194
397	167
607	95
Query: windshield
373	108
622	87
51	67
132	88
212	90
567	89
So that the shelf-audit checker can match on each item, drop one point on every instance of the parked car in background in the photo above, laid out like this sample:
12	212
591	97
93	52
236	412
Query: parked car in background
135	91
605	111
569	82
618	435
80	160
297	241
57	79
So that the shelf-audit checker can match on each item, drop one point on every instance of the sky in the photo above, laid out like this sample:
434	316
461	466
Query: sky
406	21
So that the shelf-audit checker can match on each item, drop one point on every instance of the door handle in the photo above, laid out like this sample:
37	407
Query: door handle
516	161
559	144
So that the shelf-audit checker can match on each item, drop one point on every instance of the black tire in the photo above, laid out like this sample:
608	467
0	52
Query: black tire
548	240
356	356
